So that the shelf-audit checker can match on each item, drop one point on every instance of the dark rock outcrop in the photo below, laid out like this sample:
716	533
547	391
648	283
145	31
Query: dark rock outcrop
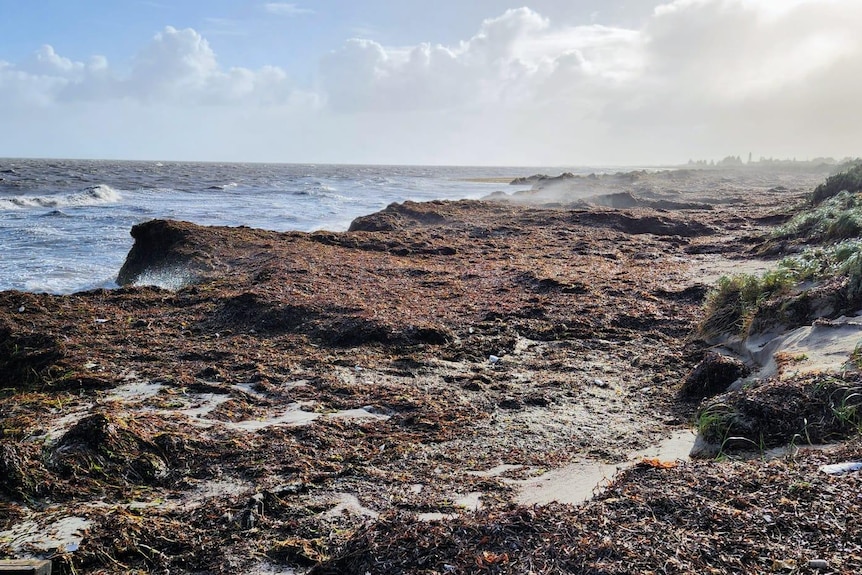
195	252
400	216
159	244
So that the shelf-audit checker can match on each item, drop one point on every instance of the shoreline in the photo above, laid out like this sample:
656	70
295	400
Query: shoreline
308	393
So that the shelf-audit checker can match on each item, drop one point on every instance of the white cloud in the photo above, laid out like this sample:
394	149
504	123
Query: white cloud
177	67
286	9
508	62
175	62
768	75
45	61
699	78
702	77
738	48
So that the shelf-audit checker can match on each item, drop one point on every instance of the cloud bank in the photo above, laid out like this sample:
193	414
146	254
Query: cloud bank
700	78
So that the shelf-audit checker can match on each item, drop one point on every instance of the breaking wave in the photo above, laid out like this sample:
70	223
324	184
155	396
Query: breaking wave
93	196
172	279
316	189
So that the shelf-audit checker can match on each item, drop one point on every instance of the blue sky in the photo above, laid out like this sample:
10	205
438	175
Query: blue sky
486	81
247	34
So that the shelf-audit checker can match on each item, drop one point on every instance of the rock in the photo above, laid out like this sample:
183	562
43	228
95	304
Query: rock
713	376
818	564
379	222
528	180
511	403
544	181
159	244
400	216
187	252
619	200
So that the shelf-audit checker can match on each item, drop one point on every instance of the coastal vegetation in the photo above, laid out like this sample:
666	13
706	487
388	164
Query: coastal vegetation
849	180
822	279
818	279
833	218
822	256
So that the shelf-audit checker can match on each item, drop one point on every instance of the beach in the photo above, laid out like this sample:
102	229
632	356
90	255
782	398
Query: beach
449	386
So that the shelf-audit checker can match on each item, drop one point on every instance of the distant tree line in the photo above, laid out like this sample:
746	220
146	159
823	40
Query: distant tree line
731	161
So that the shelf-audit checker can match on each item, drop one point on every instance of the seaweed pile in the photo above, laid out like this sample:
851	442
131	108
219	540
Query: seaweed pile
370	401
784	516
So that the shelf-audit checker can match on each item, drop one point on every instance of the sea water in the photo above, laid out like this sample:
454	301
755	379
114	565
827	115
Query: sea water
64	224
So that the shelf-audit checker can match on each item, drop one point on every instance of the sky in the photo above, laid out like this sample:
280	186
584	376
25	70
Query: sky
484	82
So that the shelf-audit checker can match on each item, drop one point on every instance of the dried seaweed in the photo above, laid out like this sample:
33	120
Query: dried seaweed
462	334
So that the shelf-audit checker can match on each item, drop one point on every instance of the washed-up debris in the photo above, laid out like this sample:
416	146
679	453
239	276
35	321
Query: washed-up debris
818	564
810	408
841	468
25	567
703	517
263	445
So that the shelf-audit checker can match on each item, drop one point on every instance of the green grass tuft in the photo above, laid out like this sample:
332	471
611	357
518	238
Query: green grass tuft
734	302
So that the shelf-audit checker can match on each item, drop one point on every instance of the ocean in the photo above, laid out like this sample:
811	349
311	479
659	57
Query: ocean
64	224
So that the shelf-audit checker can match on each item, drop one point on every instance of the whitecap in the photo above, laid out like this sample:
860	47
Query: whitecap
223	187
93	196
56	214
172	279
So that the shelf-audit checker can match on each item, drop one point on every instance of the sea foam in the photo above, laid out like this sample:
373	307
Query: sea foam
92	196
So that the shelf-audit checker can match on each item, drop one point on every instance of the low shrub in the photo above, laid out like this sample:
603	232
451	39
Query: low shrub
850	181
836	218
